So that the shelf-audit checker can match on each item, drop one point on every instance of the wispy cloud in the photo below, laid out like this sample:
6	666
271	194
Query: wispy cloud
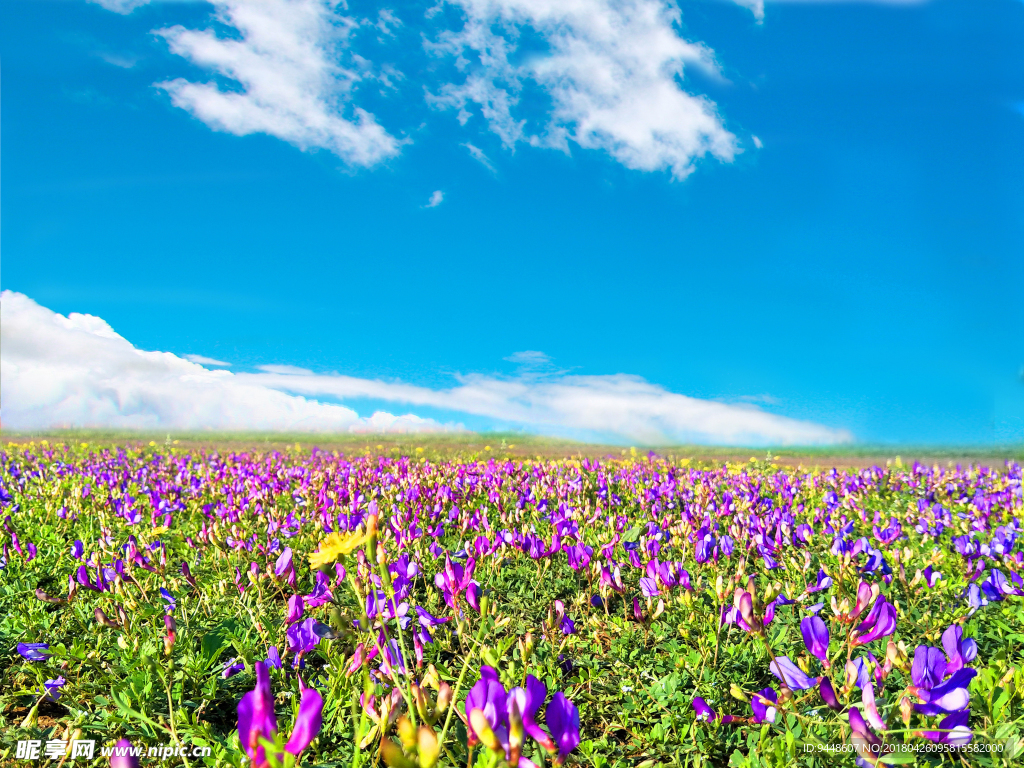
478	154
76	371
757	6
612	70
286	57
436	198
203	360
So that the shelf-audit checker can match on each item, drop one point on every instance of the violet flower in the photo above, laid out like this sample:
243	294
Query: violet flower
34	651
563	720
791	675
763	705
960	652
122	755
295	609
815	637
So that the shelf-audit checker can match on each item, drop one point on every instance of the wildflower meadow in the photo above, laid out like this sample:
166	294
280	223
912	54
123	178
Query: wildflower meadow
317	608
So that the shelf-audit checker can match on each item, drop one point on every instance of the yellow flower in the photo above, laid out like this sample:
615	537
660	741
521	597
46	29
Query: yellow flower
336	545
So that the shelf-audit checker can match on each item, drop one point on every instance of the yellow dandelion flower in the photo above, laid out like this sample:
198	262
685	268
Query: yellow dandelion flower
336	545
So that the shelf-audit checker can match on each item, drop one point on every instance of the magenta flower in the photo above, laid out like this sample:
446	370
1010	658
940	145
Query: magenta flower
256	718
123	755
307	722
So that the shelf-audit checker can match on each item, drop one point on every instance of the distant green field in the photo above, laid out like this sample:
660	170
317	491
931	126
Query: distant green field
461	445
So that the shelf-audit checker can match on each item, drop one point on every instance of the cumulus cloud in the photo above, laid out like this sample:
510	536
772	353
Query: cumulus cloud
76	371
58	371
612	70
203	360
436	198
286	61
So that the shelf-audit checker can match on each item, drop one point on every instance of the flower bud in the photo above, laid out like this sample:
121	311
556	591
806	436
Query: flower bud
737	693
444	697
429	748
393	755
482	729
516	732
906	709
407	732
102	618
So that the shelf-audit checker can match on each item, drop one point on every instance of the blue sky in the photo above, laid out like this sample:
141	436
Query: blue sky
816	215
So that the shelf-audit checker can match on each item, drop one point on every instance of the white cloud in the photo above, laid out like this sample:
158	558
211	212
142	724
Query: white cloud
58	371
478	154
617	407
530	357
757	6
203	360
286	60
285	370
757	142
436	198
120	6
76	371
612	70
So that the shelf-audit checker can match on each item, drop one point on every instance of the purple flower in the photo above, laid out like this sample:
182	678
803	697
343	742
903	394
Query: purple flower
954	729
295	609
529	700
53	688
284	568
256	718
307	721
928	668
563	720
171	602
828	694
34	651
489	697
568	626
704	712
824	582
273	658
123	755
321	593
791	675
959	651
303	638
648	586
815	637
947	697
77	549
763	703
232	668
880	622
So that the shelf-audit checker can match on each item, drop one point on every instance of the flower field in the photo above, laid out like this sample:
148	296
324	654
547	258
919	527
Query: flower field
314	608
